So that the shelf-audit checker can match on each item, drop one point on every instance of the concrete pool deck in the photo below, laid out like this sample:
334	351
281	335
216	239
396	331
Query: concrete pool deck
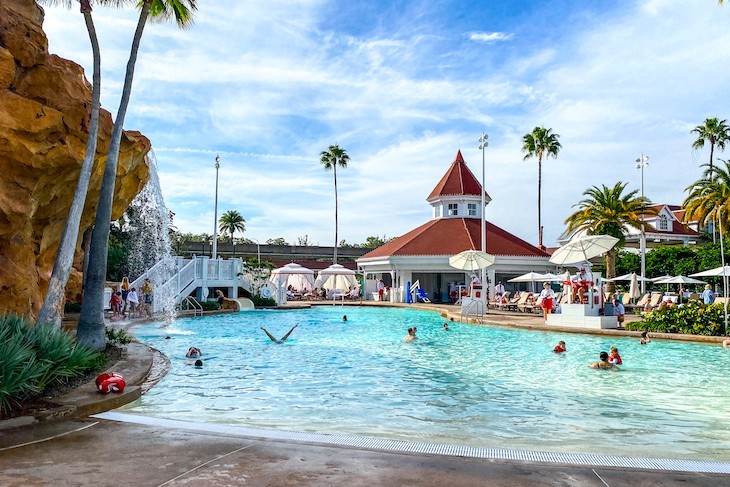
89	451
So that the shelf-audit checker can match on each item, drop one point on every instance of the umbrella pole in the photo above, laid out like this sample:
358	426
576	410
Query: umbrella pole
724	273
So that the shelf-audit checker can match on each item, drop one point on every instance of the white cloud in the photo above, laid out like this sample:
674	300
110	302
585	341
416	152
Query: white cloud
488	37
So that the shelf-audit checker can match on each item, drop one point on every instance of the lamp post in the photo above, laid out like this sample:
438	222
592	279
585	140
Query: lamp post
642	162
483	144
215	210
258	251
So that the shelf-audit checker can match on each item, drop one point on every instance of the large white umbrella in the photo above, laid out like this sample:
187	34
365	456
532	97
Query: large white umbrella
628	277
679	280
660	278
716	272
336	277
582	249
532	277
567	288
634	291
471	260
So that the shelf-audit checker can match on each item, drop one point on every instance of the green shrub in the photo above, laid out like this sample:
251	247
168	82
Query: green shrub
260	301
693	318
117	337
35	358
209	305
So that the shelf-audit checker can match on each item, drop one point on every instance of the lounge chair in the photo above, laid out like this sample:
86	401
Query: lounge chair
526	304
639	304
422	295
537	307
653	301
509	303
521	300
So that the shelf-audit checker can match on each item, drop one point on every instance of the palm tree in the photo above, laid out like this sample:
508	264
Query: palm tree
541	142
715	132
709	197
90	331
608	211
51	309
330	159
230	222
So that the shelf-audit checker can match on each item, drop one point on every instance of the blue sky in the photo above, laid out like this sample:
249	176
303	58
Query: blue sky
402	86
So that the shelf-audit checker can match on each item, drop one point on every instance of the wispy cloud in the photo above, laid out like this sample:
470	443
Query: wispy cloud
488	37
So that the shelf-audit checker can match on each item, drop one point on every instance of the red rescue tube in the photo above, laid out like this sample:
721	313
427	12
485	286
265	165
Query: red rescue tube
112	382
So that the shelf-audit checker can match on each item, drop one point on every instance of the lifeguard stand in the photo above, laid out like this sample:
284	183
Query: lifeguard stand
475	302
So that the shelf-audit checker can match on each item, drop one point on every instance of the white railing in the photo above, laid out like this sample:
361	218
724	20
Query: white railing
186	275
190	303
475	308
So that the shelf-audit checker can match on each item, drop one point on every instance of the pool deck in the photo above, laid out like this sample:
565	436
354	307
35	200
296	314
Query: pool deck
90	451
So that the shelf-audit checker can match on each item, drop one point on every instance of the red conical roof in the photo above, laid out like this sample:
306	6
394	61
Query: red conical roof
458	181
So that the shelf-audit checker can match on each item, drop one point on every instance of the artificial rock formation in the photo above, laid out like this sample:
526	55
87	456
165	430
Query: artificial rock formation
45	110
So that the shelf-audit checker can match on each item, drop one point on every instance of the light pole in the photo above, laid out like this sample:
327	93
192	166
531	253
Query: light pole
258	251
483	144
215	211
641	163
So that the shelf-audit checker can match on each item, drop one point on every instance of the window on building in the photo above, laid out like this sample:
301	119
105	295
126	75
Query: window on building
453	209
472	208
663	222
437	211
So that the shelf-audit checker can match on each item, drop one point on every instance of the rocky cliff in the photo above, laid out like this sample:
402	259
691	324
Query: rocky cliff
45	109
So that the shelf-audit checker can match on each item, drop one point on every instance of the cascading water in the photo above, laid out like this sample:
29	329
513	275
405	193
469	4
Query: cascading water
150	248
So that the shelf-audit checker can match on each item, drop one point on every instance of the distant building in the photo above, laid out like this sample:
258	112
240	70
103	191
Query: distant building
423	253
667	227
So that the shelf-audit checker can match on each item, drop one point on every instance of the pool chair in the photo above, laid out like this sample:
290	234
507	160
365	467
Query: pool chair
422	295
527	304
653	301
498	304
639	304
537	307
519	303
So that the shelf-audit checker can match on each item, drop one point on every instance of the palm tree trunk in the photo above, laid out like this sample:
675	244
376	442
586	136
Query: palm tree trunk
611	270
334	166
90	330
712	151
539	194
51	311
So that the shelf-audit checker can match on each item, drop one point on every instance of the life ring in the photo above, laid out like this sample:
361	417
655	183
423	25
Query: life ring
111	382
265	292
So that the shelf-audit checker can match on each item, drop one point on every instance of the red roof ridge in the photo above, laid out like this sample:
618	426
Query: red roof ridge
459	157
457	181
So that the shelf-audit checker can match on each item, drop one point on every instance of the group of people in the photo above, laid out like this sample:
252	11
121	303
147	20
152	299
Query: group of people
138	303
411	332
607	360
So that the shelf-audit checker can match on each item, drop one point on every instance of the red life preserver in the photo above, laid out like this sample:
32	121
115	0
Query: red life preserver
111	382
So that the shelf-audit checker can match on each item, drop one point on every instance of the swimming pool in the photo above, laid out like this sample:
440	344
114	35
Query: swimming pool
473	385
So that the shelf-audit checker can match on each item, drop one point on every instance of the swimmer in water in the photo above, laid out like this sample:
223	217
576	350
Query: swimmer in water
283	339
446	327
614	357
193	352
411	335
645	338
198	364
560	347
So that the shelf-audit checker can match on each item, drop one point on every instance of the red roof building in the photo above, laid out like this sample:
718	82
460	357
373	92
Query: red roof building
423	253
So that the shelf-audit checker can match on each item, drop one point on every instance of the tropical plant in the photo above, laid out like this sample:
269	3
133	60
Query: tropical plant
231	222
276	241
331	158
607	211
713	131
541	142
693	318
36	358
51	309
90	329
116	337
709	197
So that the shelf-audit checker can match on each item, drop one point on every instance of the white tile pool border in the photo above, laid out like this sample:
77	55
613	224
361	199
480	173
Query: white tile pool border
397	446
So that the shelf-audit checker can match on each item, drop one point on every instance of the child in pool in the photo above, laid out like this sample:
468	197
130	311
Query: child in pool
645	338
560	347
614	357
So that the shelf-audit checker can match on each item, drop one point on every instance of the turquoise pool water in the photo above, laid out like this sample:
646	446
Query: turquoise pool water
473	385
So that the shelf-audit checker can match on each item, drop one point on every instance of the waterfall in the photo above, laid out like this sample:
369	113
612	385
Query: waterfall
150	248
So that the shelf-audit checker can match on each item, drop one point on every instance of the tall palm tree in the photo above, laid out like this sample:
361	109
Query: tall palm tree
713	131
230	222
330	159
709	197
541	142
90	331
608	211
51	309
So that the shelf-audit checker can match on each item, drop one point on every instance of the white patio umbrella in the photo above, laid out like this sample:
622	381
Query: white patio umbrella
336	277
629	277
634	290
658	280
530	277
296	275
582	249
680	280
471	260
716	272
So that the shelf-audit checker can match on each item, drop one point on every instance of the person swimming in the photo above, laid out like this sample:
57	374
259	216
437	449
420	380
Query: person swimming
344	318
283	339
198	364
411	335
604	363
560	347
193	352
644	338
446	326
614	358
